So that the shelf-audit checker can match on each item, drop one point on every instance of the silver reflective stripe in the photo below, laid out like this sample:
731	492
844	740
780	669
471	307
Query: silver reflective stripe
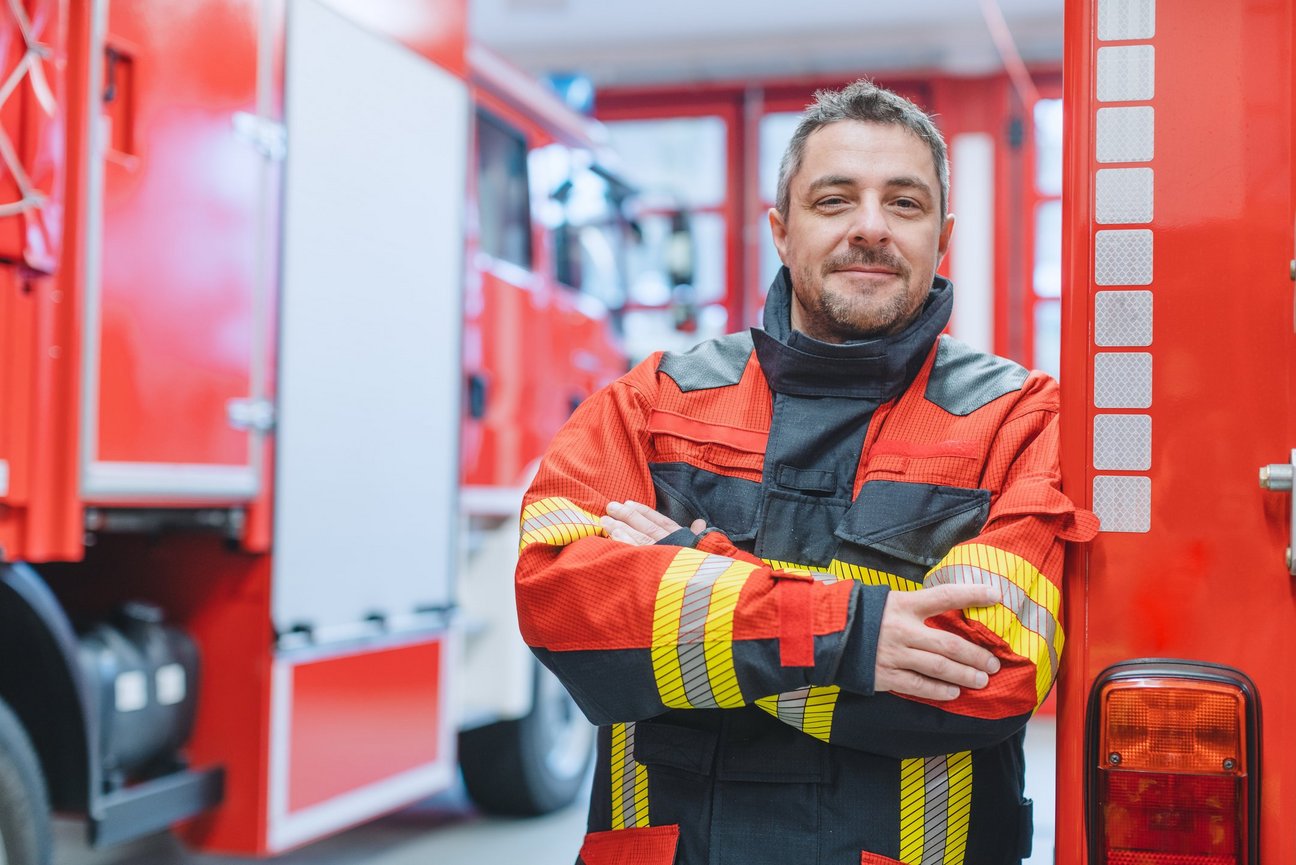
692	632
1029	613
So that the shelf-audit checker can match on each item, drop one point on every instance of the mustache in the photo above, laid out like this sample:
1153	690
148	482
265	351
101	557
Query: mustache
866	256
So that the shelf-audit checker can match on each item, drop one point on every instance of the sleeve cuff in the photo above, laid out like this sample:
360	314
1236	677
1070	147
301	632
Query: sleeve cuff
855	672
680	538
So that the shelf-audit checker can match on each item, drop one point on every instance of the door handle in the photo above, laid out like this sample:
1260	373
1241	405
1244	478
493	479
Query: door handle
1279	477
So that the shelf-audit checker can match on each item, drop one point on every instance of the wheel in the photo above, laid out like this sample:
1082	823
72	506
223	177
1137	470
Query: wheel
24	809
533	765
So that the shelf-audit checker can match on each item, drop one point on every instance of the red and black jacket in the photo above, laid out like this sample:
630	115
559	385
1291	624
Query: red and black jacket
732	673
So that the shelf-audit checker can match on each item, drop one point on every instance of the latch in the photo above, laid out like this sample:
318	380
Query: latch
254	415
1279	478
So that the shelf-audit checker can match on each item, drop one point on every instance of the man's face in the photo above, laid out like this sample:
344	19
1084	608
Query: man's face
864	233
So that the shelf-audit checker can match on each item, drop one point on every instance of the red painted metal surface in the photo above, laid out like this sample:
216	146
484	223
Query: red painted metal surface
363	718
1208	580
180	216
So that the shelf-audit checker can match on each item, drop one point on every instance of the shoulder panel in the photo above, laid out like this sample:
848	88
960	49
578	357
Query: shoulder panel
964	379
714	363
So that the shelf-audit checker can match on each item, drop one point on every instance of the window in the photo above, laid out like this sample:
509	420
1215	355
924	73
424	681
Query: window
503	197
1046	284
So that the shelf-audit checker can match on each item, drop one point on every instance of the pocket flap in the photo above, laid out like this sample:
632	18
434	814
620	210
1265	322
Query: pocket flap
647	845
887	515
658	744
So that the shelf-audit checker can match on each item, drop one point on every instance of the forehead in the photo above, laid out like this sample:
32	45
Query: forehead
865	152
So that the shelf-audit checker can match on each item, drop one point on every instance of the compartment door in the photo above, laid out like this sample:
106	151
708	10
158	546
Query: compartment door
178	253
367	465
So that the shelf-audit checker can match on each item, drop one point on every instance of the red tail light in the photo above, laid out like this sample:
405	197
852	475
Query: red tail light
1173	769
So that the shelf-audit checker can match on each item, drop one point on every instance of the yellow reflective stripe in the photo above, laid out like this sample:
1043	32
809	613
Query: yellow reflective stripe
629	781
935	809
557	522
693	660
719	635
666	623
960	807
871	577
912	800
808	709
1027	619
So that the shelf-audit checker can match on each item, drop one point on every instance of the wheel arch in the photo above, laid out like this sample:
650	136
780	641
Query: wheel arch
46	687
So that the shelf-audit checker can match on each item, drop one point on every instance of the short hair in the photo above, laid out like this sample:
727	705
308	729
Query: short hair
866	102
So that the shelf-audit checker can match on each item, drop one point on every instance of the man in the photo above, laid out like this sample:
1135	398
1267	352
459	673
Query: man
834	663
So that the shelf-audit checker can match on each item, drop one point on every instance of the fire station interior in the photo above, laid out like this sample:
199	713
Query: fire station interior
295	293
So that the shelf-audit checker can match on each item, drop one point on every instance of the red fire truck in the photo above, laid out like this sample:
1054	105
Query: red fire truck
1175	713
239	365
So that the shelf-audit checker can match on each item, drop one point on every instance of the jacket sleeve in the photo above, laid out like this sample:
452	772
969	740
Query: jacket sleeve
1019	550
632	631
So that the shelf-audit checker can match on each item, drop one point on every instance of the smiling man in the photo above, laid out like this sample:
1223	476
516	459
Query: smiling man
835	661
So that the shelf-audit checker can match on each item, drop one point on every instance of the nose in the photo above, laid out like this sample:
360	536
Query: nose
870	227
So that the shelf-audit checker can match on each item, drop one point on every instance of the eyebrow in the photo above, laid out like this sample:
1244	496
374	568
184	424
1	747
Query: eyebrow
903	181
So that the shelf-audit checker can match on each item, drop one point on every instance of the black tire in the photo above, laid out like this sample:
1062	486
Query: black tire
25	837
534	765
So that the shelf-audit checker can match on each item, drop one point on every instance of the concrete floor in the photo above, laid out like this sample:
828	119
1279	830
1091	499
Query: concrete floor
446	830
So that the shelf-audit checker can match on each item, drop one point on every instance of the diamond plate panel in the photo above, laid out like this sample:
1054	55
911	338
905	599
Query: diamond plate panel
1125	134
1123	503
1125	73
1123	196
1123	318
1123	257
1126	19
1122	442
1123	379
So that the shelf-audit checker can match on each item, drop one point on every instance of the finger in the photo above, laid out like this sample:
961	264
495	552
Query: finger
619	531
652	516
940	668
913	684
941	599
639	522
955	648
697	527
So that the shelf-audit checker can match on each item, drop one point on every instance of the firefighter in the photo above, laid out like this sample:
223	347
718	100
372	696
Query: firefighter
834	662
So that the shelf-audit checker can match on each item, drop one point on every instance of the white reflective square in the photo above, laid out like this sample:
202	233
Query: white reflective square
1123	257
1126	19
130	691
1123	503
169	682
1122	442
1125	134
1123	318
1123	196
1122	379
1125	73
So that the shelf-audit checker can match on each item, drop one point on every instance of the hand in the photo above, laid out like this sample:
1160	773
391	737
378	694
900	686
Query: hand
640	525
915	659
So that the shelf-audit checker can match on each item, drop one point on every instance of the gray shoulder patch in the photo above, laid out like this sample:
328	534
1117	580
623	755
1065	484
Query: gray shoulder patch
964	379
715	363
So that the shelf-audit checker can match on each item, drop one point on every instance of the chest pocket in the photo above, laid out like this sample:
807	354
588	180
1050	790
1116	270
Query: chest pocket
686	492
905	528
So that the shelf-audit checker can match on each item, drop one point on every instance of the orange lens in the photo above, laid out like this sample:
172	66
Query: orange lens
1173	725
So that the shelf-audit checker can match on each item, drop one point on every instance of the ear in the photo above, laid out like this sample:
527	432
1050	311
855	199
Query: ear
778	230
943	243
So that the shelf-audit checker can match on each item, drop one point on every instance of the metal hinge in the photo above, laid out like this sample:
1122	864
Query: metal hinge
268	137
255	415
1279	477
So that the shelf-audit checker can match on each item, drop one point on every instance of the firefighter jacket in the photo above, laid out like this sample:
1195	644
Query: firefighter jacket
731	673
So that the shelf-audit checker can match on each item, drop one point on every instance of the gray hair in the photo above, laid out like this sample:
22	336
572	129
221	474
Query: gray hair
863	101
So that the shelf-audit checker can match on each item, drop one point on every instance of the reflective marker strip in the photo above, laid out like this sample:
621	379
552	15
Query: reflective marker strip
810	710
557	522
935	809
629	781
1123	380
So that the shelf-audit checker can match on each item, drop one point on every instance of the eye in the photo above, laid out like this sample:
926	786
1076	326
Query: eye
907	204
831	202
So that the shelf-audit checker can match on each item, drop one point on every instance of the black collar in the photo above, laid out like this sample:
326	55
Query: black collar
880	368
